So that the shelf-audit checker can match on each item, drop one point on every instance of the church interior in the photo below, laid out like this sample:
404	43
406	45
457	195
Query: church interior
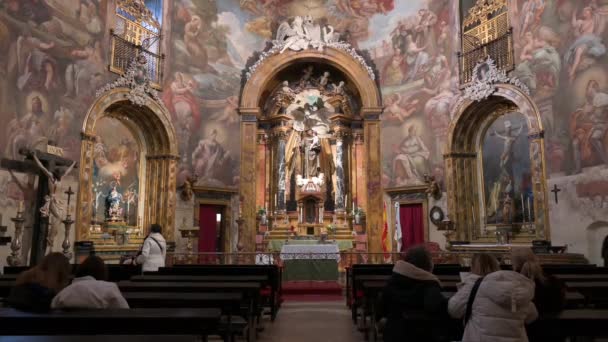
296	147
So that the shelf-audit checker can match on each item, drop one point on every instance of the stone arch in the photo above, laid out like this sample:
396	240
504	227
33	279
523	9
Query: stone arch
471	119
597	238
151	125
253	93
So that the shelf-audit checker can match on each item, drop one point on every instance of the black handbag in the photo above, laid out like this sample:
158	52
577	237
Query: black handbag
469	311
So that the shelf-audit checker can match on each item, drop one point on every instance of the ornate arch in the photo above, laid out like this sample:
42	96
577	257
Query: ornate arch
151	124
261	77
463	146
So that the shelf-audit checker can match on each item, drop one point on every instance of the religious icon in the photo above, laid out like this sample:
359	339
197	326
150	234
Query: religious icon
113	206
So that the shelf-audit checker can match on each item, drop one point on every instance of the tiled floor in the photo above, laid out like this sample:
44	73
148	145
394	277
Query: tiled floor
310	321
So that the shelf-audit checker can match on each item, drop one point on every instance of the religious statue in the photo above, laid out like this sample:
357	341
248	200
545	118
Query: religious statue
187	188
411	162
506	209
113	202
312	154
304	32
53	206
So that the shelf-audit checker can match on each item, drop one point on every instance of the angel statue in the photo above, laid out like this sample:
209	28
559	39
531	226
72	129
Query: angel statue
53	206
294	37
187	188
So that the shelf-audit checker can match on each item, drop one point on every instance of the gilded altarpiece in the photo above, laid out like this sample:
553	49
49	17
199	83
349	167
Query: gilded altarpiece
316	118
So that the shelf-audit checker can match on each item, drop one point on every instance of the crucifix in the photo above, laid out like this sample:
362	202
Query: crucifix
555	191
48	168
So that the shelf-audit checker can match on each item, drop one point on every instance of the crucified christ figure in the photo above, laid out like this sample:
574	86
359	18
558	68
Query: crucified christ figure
53	207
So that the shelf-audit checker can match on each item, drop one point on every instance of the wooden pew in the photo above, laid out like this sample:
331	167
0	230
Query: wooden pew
273	273
200	322
262	279
228	302
250	290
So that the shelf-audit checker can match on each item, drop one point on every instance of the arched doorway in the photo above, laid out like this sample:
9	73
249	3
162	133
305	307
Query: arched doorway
151	128
464	164
362	127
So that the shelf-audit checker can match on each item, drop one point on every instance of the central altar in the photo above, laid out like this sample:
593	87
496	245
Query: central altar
312	262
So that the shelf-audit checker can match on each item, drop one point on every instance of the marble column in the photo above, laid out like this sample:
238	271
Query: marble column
247	182
372	131
341	132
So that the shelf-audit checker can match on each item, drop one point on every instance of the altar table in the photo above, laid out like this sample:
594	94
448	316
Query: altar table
277	245
310	262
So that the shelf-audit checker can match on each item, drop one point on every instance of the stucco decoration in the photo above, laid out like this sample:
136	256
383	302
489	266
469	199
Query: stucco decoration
304	34
485	76
137	80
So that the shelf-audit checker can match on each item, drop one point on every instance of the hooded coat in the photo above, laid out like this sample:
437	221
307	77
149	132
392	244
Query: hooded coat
502	307
411	289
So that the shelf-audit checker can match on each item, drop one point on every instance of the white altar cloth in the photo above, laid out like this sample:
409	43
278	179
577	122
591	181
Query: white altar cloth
310	252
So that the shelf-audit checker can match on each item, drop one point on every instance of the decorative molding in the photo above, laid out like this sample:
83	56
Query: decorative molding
483	10
485	76
249	118
460	155
135	78
293	37
87	136
402	190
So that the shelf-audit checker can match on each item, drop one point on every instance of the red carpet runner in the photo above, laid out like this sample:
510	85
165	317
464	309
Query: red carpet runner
312	291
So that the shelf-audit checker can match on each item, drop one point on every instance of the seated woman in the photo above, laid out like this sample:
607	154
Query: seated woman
35	288
412	287
90	290
549	292
495	304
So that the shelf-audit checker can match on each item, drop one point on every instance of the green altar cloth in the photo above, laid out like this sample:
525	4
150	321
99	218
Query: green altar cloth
276	245
310	270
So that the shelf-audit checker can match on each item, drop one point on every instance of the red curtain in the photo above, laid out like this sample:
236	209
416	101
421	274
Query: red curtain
207	236
412	226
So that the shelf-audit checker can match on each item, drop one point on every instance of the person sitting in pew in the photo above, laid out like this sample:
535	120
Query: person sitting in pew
153	251
90	290
495	304
412	287
549	292
35	288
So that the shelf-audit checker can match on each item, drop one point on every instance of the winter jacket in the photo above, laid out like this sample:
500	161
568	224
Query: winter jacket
30	297
152	255
411	289
89	293
502	307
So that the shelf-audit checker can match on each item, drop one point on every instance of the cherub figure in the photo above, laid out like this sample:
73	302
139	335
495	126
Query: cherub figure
188	188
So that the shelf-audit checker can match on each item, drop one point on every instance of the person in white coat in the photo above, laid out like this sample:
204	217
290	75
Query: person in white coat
90	290
153	251
501	308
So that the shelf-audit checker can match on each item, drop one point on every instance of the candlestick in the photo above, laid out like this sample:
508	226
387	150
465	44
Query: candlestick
523	208
529	211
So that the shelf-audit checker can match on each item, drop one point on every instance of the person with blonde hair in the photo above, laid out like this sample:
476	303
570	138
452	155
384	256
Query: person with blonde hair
35	288
483	264
495	304
550	293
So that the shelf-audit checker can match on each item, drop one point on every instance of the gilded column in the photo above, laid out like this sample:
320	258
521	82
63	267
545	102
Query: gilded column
247	184
371	128
280	132
359	177
539	190
261	199
85	187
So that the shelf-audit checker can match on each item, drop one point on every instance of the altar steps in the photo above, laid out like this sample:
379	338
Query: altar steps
314	291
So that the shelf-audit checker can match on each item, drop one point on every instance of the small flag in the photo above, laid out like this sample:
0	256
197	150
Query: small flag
385	239
398	236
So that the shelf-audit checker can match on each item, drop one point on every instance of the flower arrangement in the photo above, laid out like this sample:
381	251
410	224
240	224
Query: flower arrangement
358	211
331	229
261	211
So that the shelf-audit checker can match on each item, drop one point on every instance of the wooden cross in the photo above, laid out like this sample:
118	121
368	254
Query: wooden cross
52	162
555	191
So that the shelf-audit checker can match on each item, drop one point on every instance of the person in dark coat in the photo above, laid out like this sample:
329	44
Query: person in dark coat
35	288
412	287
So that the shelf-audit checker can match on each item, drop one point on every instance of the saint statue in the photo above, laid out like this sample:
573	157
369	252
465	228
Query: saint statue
113	209
312	154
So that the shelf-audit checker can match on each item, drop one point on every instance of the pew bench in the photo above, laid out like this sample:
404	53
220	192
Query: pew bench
199	322
250	290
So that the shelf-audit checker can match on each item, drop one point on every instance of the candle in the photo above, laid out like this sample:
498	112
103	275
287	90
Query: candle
473	213
345	200
529	211
20	208
523	208
276	201
240	208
